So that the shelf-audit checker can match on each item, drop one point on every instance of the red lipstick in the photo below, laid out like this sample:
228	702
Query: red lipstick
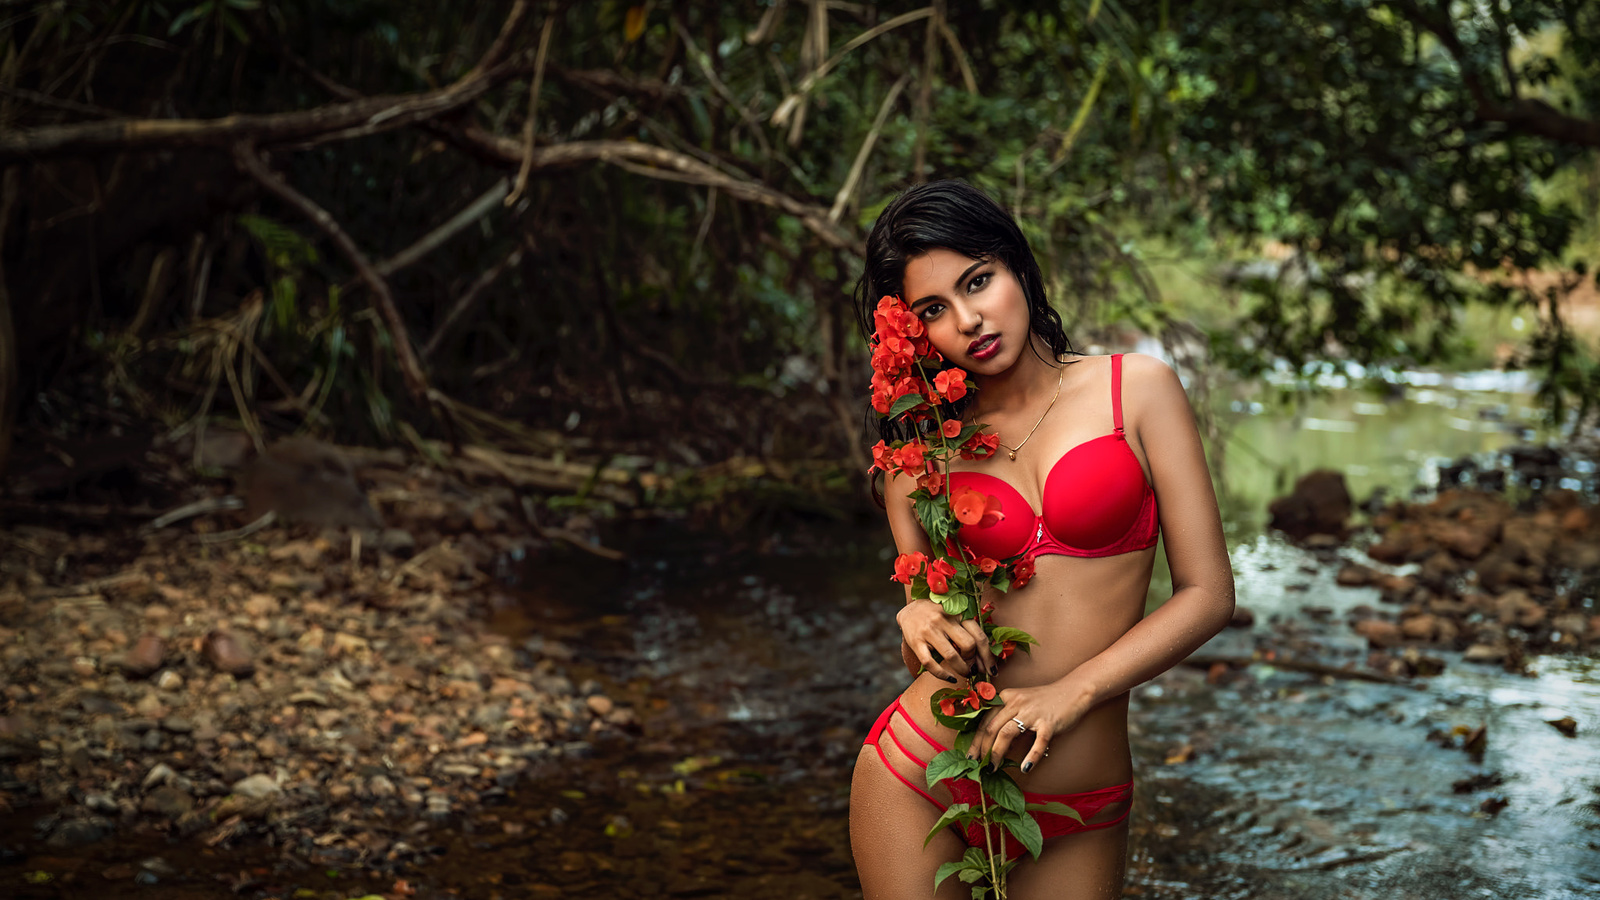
984	347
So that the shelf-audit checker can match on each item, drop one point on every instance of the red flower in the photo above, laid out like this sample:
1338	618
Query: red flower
976	508
1007	648
939	572
981	445
974	699
984	689
910	456
987	565
882	457
906	567
951	384
932	482
948	706
1022	572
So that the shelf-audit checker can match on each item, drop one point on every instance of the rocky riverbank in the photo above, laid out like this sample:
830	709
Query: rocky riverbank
332	691
1499	564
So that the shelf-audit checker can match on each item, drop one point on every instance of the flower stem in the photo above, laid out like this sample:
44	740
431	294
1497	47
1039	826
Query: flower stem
988	839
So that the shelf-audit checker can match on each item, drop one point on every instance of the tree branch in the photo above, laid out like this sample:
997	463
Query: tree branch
1529	116
251	163
467	298
355	118
658	162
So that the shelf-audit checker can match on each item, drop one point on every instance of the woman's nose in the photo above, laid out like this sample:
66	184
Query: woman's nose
968	318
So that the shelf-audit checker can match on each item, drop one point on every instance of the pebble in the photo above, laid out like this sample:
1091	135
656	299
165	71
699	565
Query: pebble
159	774
437	804
77	833
380	786
256	787
167	801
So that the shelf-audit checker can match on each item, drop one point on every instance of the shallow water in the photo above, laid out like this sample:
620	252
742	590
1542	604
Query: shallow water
757	675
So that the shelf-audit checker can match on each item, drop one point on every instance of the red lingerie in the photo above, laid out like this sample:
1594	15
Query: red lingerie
1097	501
1089	804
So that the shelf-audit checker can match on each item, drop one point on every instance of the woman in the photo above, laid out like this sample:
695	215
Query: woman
1097	456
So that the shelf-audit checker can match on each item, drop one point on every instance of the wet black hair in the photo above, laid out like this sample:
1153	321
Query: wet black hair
951	215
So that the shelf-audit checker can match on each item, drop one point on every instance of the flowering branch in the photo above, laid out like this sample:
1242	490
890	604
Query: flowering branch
953	577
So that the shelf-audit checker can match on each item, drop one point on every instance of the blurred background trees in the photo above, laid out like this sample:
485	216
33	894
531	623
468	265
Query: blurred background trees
637	224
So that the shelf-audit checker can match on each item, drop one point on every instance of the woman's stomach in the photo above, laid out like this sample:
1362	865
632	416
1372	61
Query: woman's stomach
1075	608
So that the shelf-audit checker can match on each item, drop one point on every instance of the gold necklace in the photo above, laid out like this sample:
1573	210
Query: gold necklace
1012	451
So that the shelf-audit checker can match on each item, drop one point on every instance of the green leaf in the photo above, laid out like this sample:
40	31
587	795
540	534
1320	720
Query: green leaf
958	721
964	741
945	871
957	812
1008	633
1057	808
949	764
187	16
1000	581
1003	790
1027	833
907	402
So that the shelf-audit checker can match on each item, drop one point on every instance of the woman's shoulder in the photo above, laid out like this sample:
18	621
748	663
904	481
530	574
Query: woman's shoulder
1140	367
1150	385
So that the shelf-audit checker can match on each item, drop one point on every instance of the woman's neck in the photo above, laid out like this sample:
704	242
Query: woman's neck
1018	387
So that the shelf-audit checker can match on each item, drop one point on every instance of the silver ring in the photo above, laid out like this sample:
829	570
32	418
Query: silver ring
1022	728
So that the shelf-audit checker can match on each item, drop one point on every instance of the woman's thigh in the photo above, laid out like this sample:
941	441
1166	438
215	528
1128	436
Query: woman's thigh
1089	865
888	822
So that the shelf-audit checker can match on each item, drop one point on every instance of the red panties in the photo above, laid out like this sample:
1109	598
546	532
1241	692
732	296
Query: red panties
1088	804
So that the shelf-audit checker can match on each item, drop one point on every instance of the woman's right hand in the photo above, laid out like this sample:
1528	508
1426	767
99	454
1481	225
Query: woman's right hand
948	647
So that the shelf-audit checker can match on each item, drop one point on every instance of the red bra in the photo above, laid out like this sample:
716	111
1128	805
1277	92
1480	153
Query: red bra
1098	504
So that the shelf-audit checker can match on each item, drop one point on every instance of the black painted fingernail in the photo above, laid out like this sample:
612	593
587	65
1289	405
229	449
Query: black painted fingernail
993	671
1027	767
951	679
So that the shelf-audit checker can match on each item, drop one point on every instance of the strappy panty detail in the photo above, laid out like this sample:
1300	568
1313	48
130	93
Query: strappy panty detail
906	754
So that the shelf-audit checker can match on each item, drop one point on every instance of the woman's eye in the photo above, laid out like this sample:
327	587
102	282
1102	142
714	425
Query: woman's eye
978	281
931	310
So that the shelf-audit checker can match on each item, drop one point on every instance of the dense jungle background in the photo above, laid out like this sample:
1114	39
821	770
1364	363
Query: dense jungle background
637	224
529	322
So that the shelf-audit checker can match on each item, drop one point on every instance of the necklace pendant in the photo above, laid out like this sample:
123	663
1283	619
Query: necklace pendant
1012	454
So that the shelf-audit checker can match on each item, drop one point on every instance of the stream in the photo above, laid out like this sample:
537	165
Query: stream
757	665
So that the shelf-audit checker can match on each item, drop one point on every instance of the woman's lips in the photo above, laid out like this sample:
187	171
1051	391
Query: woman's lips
984	347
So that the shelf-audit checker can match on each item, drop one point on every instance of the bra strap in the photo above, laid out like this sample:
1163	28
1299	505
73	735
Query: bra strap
1116	391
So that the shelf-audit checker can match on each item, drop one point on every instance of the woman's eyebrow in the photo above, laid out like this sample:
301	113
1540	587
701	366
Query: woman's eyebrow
959	278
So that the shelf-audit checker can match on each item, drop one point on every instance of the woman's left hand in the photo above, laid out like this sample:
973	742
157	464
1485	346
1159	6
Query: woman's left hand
1047	710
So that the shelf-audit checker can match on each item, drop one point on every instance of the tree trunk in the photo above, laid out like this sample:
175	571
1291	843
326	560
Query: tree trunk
8	338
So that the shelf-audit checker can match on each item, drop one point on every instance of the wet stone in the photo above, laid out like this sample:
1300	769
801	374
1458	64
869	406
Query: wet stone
167	801
77	833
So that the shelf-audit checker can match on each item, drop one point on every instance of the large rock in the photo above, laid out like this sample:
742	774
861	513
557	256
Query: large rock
305	480
1319	504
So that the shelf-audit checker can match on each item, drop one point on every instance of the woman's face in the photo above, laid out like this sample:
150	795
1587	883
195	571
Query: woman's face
974	310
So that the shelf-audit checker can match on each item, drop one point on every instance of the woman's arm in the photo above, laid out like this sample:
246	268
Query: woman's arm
929	639
1158	417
